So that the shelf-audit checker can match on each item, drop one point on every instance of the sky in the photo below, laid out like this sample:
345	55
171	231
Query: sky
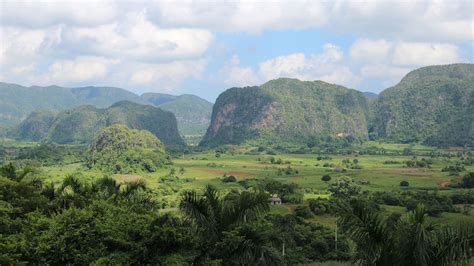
206	47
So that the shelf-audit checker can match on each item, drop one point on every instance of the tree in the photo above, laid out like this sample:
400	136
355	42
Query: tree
404	183
326	178
344	187
229	179
468	180
408	240
214	214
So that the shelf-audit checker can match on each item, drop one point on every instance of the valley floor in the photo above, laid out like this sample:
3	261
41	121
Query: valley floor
373	173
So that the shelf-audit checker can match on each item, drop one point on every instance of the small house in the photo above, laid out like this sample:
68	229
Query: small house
274	200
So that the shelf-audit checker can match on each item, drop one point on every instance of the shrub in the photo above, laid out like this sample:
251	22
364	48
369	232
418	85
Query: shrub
404	183
326	178
229	179
468	180
303	212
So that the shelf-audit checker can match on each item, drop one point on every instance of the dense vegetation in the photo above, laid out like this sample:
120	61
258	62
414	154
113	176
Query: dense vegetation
110	222
81	124
433	105
288	110
17	102
118	149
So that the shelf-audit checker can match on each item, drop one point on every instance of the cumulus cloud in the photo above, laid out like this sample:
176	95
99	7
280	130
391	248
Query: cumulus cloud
326	66
83	68
370	50
40	14
246	16
413	20
137	38
167	76
421	54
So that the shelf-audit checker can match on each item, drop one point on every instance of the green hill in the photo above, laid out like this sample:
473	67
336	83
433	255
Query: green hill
36	126
17	102
119	149
192	112
157	98
432	105
288	111
81	124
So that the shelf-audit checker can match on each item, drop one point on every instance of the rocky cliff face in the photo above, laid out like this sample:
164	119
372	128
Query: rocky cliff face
288	110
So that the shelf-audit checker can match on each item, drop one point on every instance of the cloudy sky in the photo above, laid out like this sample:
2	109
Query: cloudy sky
205	47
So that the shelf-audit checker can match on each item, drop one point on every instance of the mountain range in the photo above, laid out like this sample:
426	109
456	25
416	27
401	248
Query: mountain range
17	102
432	105
81	125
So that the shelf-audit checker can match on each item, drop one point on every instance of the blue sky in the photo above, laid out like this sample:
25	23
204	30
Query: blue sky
205	47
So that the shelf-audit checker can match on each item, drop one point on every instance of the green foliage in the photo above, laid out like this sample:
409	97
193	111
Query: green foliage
468	180
409	240
445	118
119	149
229	179
326	178
344	187
404	183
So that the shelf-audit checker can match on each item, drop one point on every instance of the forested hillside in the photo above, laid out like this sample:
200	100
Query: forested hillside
81	124
432	105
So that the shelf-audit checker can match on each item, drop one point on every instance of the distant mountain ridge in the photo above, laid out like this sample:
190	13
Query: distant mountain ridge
81	124
17	102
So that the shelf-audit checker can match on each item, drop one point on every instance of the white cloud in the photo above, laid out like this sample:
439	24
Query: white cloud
39	14
246	16
167	76
84	68
422	54
418	20
370	50
136	38
234	75
20	46
326	66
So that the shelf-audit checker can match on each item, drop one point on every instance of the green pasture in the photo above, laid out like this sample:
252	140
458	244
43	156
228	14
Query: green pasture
205	168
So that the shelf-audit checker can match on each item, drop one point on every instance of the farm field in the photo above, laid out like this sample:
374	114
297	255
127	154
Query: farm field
374	173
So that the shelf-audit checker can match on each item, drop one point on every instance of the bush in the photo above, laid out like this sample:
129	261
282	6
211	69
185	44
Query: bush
303	212
326	178
404	183
468	180
321	206
229	179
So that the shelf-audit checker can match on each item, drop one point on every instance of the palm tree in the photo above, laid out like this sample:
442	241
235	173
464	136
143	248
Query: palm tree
111	189
411	240
214	214
369	231
9	171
